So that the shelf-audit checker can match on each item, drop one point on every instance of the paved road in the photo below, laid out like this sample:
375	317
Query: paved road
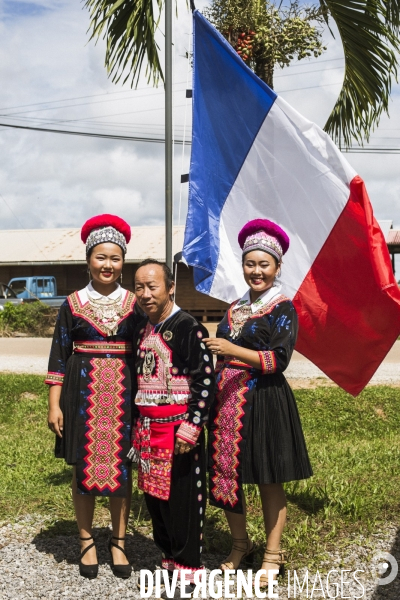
29	355
25	347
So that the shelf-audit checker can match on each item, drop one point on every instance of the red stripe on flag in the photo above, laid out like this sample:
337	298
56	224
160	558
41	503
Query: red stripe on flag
349	302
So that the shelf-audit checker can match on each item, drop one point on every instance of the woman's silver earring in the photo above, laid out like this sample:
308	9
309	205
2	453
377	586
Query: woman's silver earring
89	274
121	278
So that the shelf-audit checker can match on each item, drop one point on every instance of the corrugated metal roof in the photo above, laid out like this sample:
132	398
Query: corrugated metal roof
65	245
393	237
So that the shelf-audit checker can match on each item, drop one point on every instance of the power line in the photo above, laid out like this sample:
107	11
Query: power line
146	126
371	150
149	128
82	97
305	72
360	150
65	100
318	62
131	112
310	87
160	89
95	135
80	104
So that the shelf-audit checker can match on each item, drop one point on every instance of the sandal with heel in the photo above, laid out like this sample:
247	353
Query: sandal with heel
247	554
88	571
123	571
273	557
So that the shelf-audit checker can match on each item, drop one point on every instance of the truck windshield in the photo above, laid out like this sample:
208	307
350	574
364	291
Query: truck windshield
18	286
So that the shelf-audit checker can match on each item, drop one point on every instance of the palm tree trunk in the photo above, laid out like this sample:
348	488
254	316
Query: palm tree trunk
265	71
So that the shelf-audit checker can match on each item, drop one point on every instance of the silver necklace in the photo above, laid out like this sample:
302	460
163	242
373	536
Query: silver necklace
107	311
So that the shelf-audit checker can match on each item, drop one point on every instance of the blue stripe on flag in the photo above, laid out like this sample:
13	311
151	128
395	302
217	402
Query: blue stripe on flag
230	104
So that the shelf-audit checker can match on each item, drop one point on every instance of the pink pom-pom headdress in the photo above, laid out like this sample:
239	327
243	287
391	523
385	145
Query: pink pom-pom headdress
105	228
265	235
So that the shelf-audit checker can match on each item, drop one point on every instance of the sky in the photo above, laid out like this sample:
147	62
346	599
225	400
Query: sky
52	75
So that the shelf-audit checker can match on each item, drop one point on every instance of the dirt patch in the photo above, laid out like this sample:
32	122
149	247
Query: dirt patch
307	384
28	396
311	384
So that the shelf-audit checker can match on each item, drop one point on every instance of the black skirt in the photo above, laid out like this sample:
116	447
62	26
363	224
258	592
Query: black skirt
255	436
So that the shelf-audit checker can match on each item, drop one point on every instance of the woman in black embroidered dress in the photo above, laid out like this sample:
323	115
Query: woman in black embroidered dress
90	389
255	431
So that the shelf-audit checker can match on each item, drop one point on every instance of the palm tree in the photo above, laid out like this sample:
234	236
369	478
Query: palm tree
368	30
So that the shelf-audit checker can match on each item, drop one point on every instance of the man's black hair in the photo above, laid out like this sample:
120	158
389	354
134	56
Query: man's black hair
168	276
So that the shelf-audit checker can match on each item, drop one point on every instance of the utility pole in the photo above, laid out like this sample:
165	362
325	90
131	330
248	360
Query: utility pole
168	134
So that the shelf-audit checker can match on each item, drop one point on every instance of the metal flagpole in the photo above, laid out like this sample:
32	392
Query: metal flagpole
168	133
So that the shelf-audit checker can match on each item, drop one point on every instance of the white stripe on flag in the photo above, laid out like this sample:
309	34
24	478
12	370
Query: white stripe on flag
292	163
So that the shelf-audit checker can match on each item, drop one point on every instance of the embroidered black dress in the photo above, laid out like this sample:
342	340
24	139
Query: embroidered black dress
94	370
255	430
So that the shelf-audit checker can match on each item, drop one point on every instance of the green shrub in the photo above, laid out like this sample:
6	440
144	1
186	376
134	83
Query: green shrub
33	318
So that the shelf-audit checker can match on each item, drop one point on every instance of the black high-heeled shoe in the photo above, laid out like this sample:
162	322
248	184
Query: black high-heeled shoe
88	571
123	571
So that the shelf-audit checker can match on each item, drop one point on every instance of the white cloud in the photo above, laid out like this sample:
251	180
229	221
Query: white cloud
54	180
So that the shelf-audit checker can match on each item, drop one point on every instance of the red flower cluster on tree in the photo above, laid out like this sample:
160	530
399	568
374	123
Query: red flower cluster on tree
244	45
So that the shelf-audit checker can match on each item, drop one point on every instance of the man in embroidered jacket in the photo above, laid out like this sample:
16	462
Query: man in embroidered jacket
175	385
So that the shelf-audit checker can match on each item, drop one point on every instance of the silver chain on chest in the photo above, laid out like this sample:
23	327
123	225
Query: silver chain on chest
107	312
238	319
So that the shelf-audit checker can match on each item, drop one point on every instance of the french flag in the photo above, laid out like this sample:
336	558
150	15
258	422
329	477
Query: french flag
254	156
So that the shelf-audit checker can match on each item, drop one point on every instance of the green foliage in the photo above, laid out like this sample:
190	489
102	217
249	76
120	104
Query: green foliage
33	318
32	480
354	447
129	27
368	30
369	34
266	35
272	35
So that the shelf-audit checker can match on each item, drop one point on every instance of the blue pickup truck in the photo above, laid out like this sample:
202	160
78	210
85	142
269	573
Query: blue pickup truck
31	289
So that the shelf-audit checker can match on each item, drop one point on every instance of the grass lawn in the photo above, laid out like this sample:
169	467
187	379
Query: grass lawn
354	446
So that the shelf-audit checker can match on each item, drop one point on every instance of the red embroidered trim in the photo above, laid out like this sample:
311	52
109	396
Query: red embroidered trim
54	378
85	311
168	563
157	483
264	310
188	432
235	362
189	577
156	386
230	397
268	361
104	424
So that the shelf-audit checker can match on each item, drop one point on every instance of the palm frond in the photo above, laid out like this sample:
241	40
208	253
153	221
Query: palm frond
129	27
391	12
370	46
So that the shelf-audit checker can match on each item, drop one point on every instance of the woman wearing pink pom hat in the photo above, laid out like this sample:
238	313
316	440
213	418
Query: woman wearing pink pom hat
255	430
90	382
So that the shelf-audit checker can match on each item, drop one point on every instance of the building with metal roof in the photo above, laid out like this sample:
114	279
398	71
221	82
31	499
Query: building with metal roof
61	253
392	237
64	246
